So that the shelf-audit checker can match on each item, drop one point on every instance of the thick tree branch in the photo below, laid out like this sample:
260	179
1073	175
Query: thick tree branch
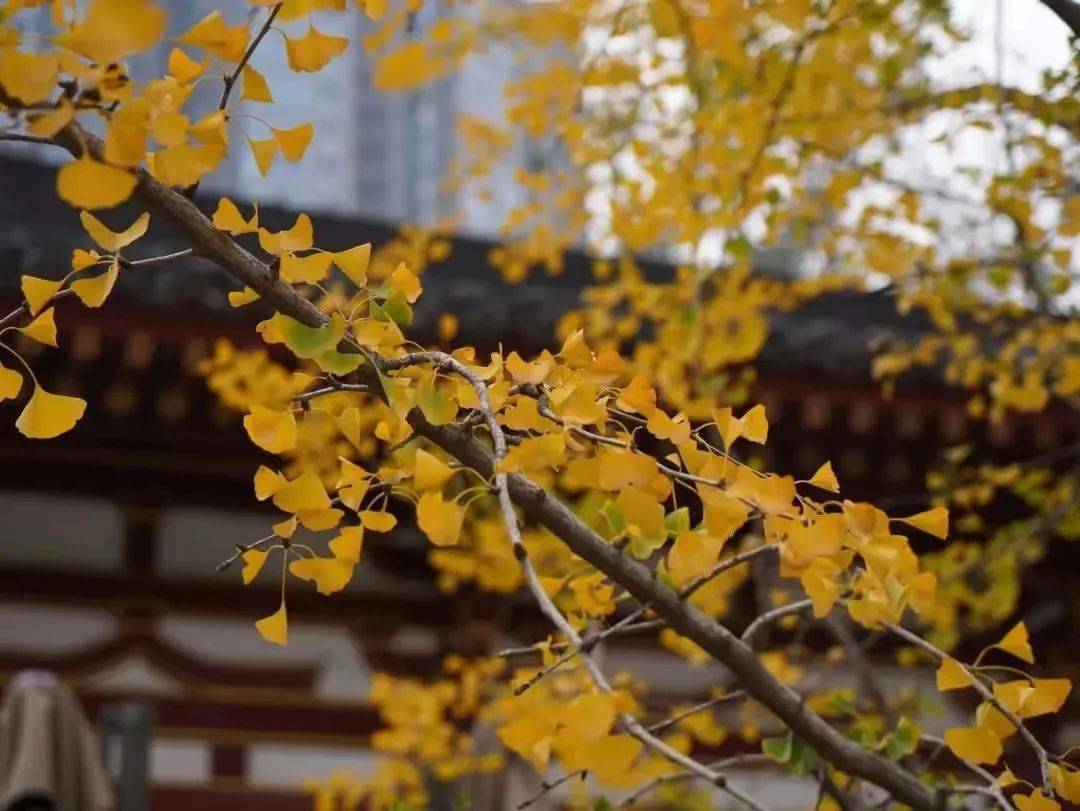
538	506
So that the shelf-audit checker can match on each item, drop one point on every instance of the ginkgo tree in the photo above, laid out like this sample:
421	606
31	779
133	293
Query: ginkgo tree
606	478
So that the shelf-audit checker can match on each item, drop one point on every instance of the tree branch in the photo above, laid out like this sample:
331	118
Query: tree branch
538	506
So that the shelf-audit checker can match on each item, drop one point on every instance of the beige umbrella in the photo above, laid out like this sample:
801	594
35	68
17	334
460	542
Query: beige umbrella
49	755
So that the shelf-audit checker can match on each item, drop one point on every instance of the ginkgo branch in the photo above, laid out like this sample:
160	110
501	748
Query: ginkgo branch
991	789
666	779
233	77
662	726
988	695
683	618
24	308
726	565
546	604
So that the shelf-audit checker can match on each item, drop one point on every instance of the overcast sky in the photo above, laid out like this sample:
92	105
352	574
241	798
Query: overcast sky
1034	39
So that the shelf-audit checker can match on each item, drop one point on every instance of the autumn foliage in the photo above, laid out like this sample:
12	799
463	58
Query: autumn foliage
612	478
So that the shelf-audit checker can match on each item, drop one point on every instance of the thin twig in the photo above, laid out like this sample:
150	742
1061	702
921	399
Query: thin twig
160	260
988	695
232	78
656	782
725	565
546	786
657	729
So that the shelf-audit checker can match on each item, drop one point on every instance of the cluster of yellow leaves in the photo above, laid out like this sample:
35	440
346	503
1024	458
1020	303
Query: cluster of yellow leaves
392	783
47	415
422	720
1023	698
306	502
558	719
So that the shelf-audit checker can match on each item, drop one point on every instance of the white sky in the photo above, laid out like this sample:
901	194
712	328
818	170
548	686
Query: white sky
1034	39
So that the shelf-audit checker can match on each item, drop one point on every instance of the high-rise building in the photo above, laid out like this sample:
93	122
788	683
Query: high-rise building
376	155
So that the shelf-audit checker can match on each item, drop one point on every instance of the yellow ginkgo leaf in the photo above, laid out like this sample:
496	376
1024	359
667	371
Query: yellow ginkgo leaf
974	744
1029	699
227	217
294	142
348	543
1007	778
81	260
268	482
820	582
430	472
38	292
608	758
298	238
287	528
310	269
406	282
87	183
440	520
253	559
377	521
319	520
353	485
28	77
109	240
47	124
114	29
1066	782
264	153
238	298
212	129
692	555
676	429
214	34
43	328
935	522
533	372
255	86
185	164
987	716
10	382
183	67
304	493
329	574
1035	801
354	263
755	426
1016	642
313	51
48	415
825	478
953	676
125	137
727	425
534	454
273	431
643	514
275	628
531	737
170	128
93	292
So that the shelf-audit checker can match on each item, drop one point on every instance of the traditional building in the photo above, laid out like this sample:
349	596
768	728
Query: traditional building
110	536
